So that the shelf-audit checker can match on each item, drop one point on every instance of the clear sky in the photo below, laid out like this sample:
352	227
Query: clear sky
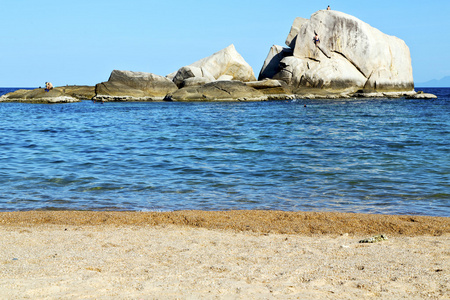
81	42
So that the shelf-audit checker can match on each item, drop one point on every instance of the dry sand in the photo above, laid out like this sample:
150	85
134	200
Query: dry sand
222	255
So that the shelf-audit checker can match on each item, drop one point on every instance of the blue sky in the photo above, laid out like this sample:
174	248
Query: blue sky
81	42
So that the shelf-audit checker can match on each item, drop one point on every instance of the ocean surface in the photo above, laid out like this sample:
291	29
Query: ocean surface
388	156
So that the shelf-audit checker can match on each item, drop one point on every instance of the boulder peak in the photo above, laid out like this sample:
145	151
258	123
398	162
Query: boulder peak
226	63
350	55
133	86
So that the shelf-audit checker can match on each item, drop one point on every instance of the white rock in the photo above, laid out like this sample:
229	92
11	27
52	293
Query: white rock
298	22
384	60
226	62
194	81
225	78
421	95
351	55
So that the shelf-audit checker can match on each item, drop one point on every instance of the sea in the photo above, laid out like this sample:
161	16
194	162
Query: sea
378	156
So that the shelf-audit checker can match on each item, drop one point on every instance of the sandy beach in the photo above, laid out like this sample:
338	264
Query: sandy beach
222	255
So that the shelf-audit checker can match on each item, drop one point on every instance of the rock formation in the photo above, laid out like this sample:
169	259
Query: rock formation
191	75
272	89
352	59
227	64
351	56
134	86
217	91
62	94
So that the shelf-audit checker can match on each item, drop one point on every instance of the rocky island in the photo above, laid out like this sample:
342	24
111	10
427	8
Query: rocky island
330	55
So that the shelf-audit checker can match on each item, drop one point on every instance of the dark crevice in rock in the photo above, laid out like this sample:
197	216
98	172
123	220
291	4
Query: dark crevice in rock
367	84
224	90
302	79
284	68
305	81
324	52
357	68
314	59
288	71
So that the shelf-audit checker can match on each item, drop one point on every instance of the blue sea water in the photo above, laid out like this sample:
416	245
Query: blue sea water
389	156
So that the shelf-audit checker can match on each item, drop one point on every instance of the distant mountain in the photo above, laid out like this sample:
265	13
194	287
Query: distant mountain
444	82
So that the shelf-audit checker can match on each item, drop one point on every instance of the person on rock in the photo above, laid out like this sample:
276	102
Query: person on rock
328	8
316	40
48	86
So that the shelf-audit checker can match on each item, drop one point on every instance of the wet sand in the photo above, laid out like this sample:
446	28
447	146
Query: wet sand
227	254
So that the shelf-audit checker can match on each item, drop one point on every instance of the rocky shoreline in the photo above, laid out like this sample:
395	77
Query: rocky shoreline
216	91
346	59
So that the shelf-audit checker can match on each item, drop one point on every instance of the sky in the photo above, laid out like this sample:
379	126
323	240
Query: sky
80	42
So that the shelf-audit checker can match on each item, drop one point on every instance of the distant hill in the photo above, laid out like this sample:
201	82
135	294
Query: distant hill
444	82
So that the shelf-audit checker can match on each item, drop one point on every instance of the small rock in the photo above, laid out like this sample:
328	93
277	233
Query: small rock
374	239
422	95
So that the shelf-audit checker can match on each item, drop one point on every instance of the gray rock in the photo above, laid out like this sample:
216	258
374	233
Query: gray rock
217	91
194	81
134	86
82	92
273	89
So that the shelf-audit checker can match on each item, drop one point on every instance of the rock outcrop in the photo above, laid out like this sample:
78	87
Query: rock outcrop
63	94
217	91
272	89
81	92
351	56
352	59
422	95
191	75
134	86
227	64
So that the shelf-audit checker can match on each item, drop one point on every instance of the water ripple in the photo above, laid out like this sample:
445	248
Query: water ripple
371	156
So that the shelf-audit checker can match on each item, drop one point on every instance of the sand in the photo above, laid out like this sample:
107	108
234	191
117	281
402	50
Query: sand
222	255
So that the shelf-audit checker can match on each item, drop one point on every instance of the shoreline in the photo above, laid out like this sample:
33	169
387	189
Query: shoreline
258	221
222	255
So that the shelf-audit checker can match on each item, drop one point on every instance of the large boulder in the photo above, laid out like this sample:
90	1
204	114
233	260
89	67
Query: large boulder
192	72
351	55
63	94
336	73
134	86
225	64
217	91
295	29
